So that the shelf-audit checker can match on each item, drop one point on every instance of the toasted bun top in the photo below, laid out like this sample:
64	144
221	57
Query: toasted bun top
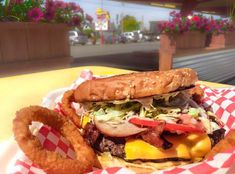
135	85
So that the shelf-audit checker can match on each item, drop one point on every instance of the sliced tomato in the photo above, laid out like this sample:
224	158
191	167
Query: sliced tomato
172	127
144	122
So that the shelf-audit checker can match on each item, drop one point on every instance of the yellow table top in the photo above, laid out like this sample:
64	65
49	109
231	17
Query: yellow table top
24	90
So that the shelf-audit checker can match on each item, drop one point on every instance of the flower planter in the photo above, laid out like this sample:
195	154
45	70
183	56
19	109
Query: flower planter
217	41
167	43
229	38
170	43
222	40
190	40
21	41
166	51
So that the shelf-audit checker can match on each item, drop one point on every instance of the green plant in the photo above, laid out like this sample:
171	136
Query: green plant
19	11
52	11
180	24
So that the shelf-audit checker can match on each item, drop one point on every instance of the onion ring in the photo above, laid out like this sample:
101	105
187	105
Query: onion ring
67	109
52	162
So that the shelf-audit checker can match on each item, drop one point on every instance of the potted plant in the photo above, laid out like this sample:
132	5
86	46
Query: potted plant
230	34
32	30
221	33
187	32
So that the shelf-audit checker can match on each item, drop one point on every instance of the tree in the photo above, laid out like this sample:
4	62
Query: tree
87	32
129	23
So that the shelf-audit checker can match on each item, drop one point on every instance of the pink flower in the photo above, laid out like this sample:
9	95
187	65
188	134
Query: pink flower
89	18
78	9
49	15
35	14
72	5
16	1
50	4
60	4
175	14
172	13
76	20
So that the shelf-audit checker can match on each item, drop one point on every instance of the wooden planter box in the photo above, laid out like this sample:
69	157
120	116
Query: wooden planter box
229	38
190	40
166	51
21	41
218	41
170	43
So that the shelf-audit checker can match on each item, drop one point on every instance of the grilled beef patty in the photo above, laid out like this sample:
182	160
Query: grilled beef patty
116	146
102	143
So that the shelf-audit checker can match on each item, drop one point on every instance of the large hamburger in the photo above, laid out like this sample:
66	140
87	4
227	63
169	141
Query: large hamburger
144	121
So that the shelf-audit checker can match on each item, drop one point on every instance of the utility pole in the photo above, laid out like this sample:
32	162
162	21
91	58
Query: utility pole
122	17
142	24
117	19
101	31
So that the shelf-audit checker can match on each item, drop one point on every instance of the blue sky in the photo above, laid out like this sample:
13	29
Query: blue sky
141	12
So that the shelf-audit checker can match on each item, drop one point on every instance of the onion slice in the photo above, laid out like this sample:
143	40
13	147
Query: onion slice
124	129
195	105
145	102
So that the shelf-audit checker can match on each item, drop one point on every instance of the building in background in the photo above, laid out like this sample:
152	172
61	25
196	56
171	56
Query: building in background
154	27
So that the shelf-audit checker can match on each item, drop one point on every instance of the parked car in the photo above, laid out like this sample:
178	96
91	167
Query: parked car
131	36
110	39
136	36
148	37
76	37
122	38
140	35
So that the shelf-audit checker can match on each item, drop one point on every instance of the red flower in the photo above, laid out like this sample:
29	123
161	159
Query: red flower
35	14
195	18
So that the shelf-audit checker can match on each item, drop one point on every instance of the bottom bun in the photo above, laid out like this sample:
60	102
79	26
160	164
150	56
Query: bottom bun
107	160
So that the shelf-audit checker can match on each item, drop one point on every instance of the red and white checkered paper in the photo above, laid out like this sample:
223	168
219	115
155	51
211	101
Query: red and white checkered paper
221	101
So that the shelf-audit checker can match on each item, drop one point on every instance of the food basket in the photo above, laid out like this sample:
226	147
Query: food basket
221	101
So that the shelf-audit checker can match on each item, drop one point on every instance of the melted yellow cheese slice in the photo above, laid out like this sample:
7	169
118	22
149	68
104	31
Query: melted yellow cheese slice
192	146
86	119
